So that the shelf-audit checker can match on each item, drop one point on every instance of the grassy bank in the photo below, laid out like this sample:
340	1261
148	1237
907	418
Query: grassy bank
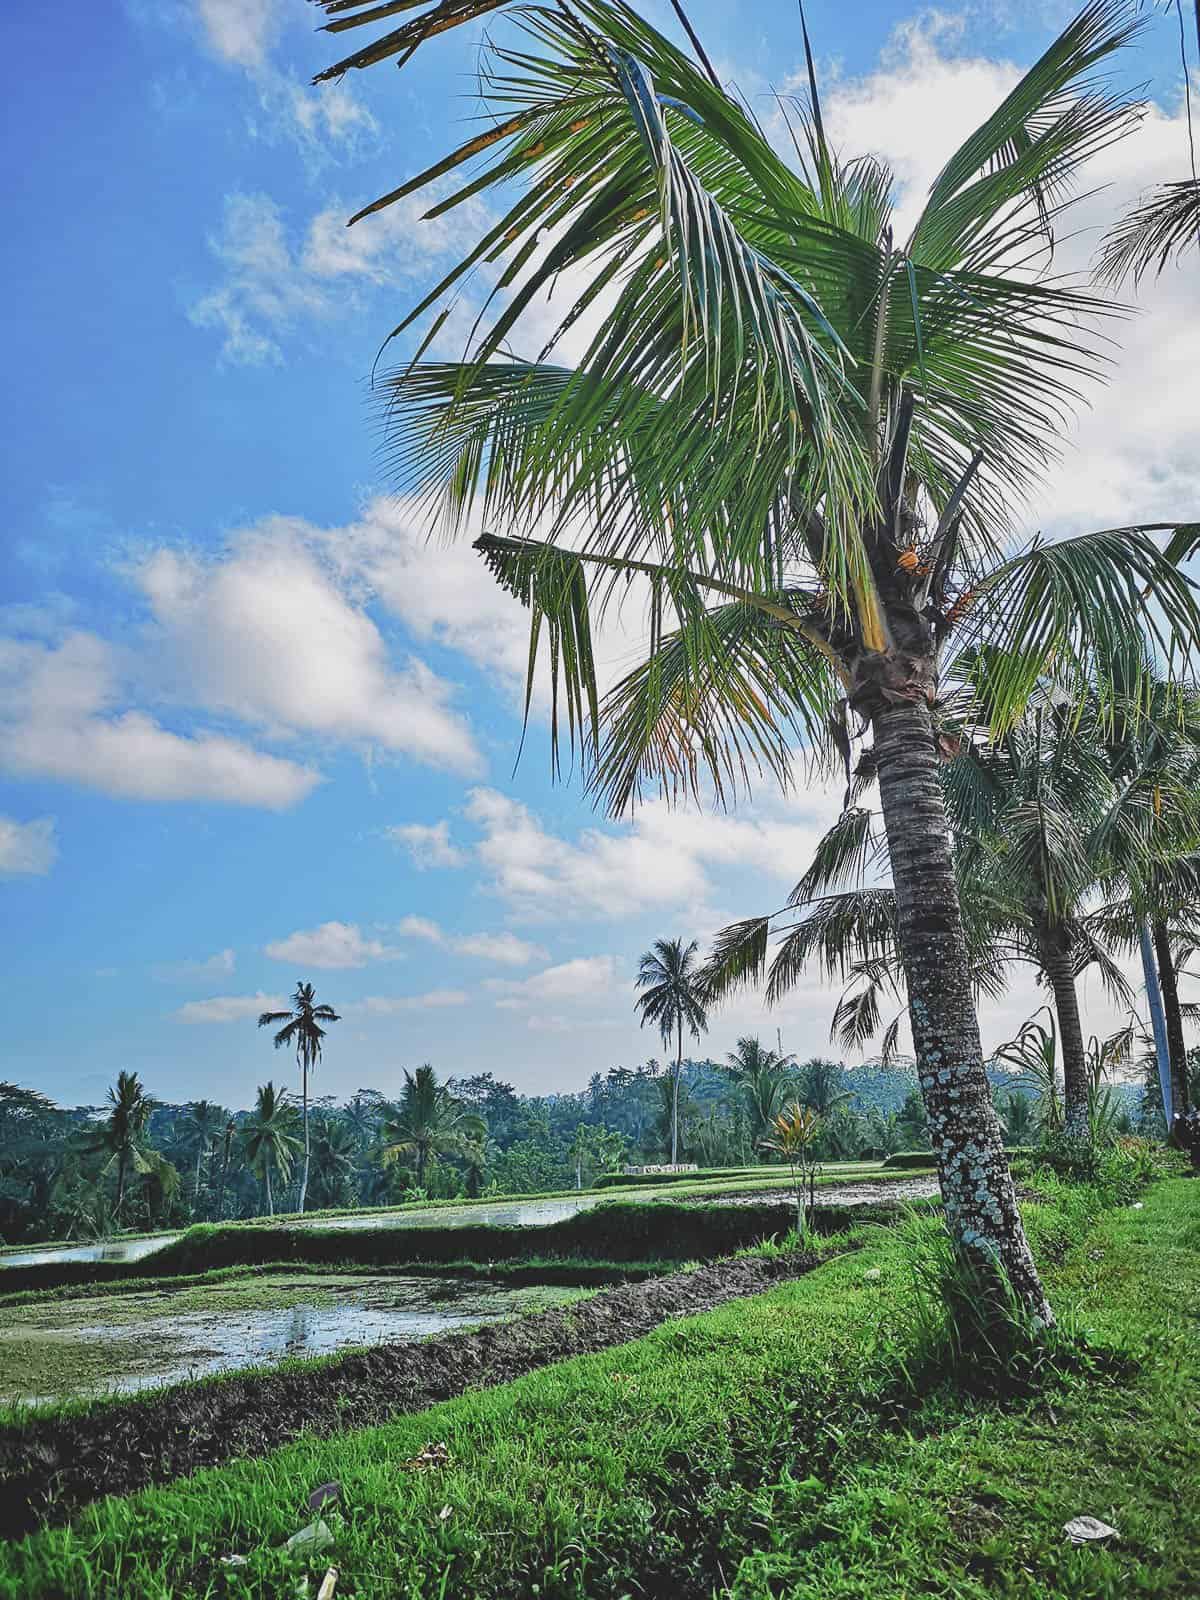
565	1271
618	1231
754	1451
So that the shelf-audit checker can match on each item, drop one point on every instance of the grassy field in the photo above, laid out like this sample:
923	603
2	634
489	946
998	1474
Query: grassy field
785	1445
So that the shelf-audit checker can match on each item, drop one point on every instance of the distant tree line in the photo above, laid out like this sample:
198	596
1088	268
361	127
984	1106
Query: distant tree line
138	1162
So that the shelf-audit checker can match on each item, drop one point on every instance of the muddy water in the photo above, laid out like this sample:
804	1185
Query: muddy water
119	1344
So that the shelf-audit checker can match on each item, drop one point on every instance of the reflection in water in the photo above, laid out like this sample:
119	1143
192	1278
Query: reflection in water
169	1348
105	1250
516	1214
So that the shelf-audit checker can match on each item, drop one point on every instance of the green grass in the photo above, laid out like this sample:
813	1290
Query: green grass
572	1270
718	1180
771	1448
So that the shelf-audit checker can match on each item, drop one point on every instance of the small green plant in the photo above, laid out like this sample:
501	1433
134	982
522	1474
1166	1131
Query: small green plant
793	1135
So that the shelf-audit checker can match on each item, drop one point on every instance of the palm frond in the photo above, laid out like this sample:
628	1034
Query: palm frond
1088	612
738	958
1157	231
841	856
837	933
1011	177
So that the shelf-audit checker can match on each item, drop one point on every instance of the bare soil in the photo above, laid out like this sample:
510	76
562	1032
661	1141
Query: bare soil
51	1465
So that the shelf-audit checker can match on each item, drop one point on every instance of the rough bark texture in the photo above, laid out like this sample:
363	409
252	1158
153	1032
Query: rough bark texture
977	1187
1176	1046
1059	969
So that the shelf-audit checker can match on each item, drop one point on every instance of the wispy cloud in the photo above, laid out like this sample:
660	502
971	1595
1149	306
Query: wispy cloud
27	848
332	945
229	1007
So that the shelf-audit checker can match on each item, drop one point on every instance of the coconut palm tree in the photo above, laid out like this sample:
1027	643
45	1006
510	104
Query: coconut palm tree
669	978
202	1125
428	1121
764	1077
269	1142
122	1134
477	1154
819	1086
302	1029
1153	859
796	431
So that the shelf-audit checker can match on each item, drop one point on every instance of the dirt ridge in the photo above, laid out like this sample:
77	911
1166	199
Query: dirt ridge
52	1466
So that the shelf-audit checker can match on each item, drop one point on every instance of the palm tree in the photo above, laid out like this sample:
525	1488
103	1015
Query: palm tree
203	1123
1153	860
819	1086
477	1155
269	1143
122	1134
798	433
226	1149
302	1028
764	1077
428	1121
669	978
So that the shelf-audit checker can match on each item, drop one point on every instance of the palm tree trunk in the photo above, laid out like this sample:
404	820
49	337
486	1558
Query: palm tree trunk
224	1172
1059	969
270	1201
977	1187
196	1184
675	1098
304	1096
122	1160
1176	1047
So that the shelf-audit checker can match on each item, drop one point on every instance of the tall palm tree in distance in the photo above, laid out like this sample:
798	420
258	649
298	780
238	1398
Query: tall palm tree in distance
302	1028
764	1078
269	1141
122	1134
799	432
428	1121
202	1124
671	999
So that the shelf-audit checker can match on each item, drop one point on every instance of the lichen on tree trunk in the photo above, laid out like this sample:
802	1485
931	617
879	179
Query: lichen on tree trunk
977	1187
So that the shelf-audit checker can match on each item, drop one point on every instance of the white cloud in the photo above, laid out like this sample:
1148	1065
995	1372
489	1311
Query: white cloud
60	718
661	858
230	1007
266	634
333	944
1131	455
428	845
240	31
441	591
382	1005
587	978
273	279
504	948
27	848
264	291
220	965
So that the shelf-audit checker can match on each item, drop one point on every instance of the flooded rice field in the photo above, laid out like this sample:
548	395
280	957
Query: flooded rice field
499	1213
111	1343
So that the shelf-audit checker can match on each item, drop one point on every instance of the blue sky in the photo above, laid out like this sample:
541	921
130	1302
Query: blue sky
251	728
